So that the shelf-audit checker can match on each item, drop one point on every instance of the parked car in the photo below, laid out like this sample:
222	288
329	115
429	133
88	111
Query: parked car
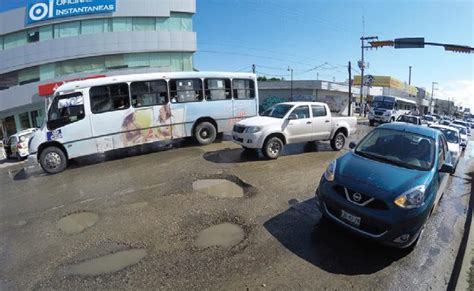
462	134
292	122
454	141
410	119
386	188
17	145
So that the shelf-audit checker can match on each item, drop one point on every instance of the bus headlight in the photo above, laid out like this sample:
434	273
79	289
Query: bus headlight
253	129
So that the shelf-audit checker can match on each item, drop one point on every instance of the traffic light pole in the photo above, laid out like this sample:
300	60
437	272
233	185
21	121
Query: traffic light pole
362	67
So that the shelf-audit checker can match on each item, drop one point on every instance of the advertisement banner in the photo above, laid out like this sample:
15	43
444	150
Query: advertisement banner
41	10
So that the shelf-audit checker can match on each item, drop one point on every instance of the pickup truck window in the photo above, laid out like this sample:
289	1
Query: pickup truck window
301	111
277	111
318	110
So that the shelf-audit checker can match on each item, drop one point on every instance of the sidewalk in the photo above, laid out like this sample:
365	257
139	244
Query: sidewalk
465	280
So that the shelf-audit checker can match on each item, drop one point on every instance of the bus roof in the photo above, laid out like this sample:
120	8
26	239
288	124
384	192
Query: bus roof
71	86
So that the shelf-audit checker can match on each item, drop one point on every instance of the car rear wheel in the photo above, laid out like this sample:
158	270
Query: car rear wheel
338	141
205	133
272	148
53	160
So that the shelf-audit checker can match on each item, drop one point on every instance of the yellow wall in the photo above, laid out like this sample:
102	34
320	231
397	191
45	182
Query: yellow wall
387	81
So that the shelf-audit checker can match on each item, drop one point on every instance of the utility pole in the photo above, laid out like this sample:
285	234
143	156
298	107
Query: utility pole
317	76
253	68
362	66
432	92
349	69
409	75
291	83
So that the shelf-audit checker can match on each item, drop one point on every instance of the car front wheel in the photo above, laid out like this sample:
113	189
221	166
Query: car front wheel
272	148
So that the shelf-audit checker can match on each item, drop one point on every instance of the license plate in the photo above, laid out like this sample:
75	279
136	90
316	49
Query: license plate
351	218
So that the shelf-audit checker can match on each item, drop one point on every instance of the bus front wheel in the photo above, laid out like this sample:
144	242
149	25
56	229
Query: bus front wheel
53	160
205	133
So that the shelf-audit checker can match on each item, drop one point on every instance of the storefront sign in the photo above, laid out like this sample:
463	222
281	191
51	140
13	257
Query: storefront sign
49	89
41	10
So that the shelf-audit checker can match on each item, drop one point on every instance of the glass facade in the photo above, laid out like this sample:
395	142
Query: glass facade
176	22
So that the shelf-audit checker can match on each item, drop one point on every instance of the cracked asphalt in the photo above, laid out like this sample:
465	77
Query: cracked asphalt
146	203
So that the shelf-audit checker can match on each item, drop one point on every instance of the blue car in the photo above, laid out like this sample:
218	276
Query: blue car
386	188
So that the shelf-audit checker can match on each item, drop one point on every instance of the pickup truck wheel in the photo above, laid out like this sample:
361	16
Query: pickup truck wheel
338	141
205	133
53	160
272	148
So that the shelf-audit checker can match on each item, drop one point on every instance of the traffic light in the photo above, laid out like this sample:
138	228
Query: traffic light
458	49
381	43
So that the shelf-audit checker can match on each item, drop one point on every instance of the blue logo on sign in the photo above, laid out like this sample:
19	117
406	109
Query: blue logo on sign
42	10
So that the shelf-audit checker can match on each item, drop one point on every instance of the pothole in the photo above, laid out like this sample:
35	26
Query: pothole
219	188
223	186
221	235
77	222
106	264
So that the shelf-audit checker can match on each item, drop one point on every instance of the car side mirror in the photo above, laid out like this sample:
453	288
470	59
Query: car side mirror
352	145
292	116
447	168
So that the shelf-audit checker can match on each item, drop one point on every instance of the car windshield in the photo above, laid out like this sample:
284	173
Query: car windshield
277	111
428	118
400	148
462	130
383	104
450	134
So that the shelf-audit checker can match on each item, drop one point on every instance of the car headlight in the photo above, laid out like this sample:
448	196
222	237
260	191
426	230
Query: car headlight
330	171
412	198
253	129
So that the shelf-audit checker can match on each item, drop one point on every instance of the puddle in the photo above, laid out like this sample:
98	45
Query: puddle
77	222
138	205
21	223
221	235
106	264
220	188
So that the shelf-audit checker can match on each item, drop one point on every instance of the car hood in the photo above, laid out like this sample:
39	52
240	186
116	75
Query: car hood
259	121
377	179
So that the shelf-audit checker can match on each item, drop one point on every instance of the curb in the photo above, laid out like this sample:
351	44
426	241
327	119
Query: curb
462	266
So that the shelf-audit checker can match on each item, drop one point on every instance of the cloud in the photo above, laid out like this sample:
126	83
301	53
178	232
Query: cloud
461	90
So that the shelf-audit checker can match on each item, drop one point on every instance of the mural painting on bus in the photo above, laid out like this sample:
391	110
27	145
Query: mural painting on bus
178	115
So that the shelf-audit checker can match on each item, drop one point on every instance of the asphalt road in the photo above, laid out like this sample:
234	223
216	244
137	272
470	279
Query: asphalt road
146	203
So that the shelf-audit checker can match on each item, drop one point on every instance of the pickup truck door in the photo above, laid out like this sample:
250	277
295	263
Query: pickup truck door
321	122
300	129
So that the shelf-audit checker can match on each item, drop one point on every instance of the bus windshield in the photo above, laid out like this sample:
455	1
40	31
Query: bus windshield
383	104
65	109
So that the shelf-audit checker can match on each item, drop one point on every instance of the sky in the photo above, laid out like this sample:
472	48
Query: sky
318	38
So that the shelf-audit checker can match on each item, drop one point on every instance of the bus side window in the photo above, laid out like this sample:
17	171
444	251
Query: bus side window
217	89
186	90
149	93
109	98
243	89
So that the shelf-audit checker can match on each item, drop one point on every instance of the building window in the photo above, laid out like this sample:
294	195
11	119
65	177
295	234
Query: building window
143	24
13	40
243	89
109	98
121	24
186	90
29	75
93	26
67	29
149	93
24	120
217	89
33	35
36	118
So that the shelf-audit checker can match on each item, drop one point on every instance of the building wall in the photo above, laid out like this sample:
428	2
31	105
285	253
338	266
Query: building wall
140	36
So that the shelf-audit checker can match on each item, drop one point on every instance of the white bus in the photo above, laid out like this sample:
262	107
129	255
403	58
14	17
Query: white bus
389	108
99	115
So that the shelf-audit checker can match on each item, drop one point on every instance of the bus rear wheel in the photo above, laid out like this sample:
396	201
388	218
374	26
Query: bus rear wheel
53	160
205	133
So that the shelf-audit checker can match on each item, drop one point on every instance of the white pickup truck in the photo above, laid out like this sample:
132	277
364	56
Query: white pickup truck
292	122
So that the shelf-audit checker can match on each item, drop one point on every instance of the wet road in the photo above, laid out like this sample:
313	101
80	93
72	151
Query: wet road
150	221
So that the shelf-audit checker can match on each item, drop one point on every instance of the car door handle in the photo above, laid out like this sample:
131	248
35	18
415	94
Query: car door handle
326	121
308	122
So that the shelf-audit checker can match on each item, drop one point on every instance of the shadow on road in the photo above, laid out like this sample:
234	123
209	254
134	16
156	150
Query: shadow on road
326	245
227	156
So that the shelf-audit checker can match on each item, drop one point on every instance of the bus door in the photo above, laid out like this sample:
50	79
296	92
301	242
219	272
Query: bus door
186	105
244	101
68	123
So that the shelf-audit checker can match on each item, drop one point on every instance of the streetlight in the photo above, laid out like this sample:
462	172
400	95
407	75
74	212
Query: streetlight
291	88
432	92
